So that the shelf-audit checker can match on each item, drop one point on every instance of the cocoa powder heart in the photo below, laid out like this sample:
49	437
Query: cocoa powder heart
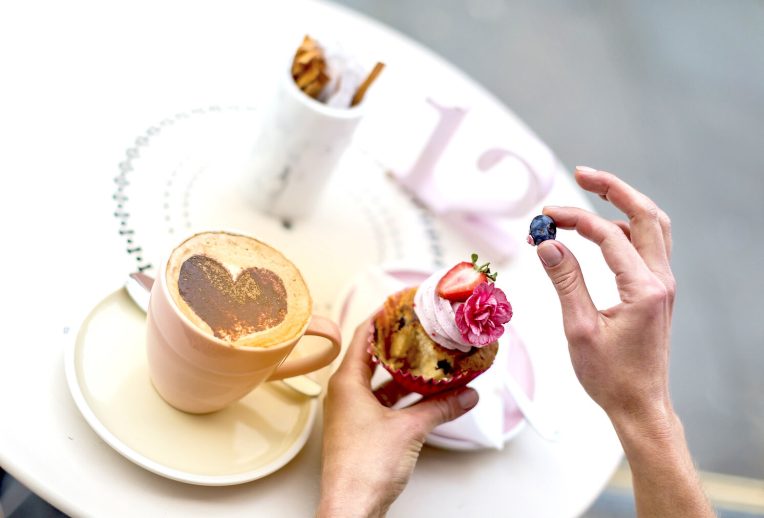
255	301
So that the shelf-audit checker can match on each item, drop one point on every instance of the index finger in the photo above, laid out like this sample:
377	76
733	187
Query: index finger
647	232
621	257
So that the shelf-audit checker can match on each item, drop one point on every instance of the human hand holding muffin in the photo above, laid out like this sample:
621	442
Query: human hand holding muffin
433	339
369	450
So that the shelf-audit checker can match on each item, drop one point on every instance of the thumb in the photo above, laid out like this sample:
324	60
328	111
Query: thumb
444	407
565	272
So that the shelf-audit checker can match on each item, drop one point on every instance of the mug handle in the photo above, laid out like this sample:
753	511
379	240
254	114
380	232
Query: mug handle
319	326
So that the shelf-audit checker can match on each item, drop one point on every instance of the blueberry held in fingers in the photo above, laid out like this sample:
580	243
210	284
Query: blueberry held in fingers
542	228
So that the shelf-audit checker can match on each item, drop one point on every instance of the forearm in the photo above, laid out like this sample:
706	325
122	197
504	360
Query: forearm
665	481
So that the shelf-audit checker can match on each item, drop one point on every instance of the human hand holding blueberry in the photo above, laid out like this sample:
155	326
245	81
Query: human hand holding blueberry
621	354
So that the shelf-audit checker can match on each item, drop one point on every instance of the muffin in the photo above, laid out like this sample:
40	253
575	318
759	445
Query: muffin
443	333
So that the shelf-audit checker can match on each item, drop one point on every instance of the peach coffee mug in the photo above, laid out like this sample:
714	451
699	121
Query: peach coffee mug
224	315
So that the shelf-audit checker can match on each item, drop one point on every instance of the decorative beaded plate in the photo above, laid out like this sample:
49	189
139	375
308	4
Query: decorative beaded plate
190	173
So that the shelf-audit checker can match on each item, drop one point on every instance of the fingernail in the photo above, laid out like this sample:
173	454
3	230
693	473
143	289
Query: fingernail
467	399
585	169
549	254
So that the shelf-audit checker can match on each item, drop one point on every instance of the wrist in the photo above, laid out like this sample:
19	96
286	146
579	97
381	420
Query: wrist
654	432
656	421
663	474
349	498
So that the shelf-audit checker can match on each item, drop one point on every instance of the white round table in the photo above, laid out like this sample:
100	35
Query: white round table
82	80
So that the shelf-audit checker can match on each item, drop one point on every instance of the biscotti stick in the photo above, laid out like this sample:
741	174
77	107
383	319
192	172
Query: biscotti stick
358	97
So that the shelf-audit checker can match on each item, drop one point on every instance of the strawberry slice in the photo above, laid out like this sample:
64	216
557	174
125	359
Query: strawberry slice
461	280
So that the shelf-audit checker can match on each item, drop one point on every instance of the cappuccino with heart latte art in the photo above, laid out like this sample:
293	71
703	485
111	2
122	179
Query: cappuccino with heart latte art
238	290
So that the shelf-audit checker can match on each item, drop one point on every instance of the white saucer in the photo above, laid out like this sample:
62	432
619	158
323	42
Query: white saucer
107	374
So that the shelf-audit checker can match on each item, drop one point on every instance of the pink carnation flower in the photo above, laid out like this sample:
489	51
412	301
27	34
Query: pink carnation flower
482	317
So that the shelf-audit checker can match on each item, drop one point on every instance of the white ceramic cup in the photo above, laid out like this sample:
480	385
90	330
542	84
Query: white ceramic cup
300	143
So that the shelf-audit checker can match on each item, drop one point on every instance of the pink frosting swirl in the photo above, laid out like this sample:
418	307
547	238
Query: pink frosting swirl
437	315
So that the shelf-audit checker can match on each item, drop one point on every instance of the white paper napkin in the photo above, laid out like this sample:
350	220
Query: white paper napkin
483	426
345	71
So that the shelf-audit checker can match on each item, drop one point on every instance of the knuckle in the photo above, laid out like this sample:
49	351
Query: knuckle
336	384
646	209
609	178
671	287
664	220
581	332
445	409
441	410
414	428
566	282
655	292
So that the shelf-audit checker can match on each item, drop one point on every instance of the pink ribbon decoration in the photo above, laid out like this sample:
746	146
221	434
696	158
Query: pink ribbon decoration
479	202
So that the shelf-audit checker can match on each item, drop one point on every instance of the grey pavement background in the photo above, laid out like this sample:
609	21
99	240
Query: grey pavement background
670	96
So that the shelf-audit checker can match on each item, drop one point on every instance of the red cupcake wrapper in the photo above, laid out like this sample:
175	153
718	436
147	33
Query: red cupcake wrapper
418	384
